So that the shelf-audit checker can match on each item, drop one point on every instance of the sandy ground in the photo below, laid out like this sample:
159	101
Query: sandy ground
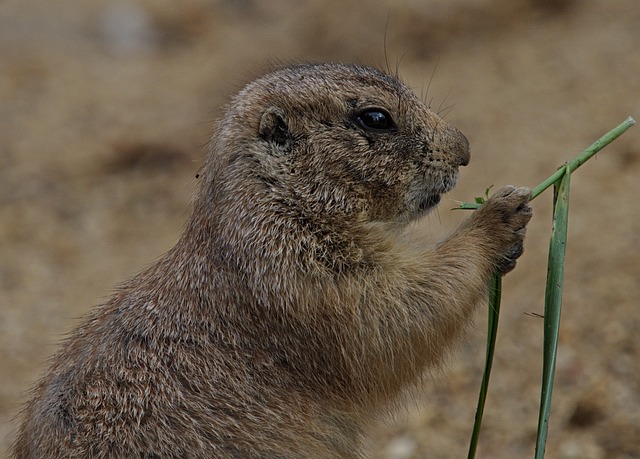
105	108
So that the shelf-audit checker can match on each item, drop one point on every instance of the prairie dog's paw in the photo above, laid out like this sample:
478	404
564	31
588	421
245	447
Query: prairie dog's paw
506	215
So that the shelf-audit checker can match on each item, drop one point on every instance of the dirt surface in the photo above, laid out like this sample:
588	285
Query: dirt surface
105	108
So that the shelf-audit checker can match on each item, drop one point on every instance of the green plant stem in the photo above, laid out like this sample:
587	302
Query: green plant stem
553	294
495	293
574	164
587	153
553	304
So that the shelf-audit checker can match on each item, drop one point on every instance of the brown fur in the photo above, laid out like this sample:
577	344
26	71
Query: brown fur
292	309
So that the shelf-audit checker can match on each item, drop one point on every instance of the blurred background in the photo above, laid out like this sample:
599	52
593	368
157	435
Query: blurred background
106	108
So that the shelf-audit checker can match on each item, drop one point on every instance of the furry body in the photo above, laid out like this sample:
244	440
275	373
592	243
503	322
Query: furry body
292	309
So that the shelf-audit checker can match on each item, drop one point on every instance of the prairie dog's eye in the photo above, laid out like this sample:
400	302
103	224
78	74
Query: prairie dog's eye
375	119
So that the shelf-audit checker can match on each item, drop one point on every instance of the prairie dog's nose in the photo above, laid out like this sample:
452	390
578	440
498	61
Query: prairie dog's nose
459	145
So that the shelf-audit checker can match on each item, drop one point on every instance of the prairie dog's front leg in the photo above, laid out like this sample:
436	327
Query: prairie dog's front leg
488	242
454	275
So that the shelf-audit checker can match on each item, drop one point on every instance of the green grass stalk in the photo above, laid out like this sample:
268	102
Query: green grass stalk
585	155
553	304
574	164
495	294
553	294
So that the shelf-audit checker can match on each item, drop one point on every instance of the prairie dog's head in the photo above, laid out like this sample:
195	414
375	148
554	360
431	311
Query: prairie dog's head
341	140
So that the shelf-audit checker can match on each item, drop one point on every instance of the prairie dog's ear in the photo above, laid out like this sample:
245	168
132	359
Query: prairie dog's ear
273	127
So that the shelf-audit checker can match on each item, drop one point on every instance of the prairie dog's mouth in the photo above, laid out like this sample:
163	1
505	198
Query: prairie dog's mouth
425	192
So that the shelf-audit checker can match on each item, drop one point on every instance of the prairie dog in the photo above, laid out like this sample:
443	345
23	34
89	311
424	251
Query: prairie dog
291	310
